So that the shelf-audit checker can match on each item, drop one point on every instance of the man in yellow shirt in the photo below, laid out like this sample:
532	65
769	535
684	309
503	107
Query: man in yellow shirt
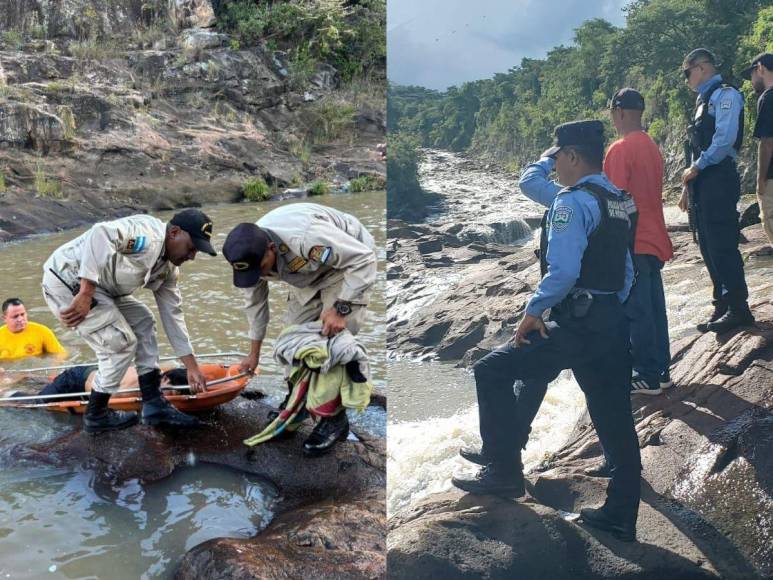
20	338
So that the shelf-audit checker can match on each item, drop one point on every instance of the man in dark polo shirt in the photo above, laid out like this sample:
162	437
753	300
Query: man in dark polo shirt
761	74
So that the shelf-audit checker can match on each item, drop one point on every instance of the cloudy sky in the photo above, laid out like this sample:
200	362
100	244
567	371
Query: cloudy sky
439	43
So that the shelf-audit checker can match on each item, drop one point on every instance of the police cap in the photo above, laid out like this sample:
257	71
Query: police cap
244	249
588	134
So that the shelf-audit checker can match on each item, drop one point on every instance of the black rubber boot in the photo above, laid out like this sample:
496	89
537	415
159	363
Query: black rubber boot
493	480
156	410
327	433
733	318
600	518
720	308
99	418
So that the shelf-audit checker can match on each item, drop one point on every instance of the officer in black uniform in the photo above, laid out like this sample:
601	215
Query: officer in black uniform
585	254
716	134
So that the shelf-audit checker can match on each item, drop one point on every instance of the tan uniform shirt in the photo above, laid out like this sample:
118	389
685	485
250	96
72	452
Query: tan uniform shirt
317	247
121	256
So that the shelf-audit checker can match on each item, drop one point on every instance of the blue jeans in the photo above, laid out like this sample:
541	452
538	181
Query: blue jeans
646	311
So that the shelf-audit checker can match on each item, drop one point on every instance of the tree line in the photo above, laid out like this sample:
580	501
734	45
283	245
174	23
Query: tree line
510	118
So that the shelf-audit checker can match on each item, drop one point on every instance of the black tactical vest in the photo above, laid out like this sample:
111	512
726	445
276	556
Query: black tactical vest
701	129
603	263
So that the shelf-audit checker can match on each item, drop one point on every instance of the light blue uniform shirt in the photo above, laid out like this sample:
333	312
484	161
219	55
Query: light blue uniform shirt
725	106
578	216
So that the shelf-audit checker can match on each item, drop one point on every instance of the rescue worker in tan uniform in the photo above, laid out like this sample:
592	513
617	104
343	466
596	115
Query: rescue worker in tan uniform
329	260
88	283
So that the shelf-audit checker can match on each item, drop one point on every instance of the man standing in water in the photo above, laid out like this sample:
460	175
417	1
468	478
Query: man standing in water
587	273
328	258
716	134
634	163
101	269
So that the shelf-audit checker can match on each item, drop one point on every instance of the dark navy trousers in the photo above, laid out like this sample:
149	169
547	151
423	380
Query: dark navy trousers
717	190
511	383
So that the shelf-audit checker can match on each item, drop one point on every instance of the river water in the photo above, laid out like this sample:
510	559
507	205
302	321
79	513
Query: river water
56	523
432	405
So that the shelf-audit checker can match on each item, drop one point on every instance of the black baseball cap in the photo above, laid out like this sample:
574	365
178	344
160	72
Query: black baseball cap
199	227
244	249
586	133
764	58
627	98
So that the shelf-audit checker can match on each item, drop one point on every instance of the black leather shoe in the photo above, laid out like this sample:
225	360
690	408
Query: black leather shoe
491	480
719	312
156	410
327	433
733	318
599	519
602	470
474	455
99	418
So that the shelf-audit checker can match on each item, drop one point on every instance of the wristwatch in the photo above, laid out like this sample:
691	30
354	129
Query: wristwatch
342	307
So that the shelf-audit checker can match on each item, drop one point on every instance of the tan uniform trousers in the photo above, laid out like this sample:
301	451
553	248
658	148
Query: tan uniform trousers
766	209
118	330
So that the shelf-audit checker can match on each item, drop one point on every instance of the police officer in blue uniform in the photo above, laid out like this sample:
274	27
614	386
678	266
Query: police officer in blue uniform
715	136
587	272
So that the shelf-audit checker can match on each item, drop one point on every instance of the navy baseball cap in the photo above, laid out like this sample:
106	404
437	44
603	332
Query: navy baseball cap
764	58
244	249
586	133
627	98
199	227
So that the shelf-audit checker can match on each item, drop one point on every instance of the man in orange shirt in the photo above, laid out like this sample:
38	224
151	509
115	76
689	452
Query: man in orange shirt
634	163
20	338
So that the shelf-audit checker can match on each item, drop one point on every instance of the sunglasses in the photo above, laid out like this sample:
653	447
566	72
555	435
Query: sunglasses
688	71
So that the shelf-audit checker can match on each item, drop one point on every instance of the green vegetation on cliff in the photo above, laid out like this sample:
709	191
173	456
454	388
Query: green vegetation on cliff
511	116
349	36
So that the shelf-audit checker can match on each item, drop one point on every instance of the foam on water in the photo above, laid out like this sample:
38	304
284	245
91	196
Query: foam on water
422	455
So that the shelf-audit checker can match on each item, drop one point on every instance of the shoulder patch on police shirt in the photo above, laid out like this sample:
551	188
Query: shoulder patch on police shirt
297	263
725	104
136	245
562	217
320	254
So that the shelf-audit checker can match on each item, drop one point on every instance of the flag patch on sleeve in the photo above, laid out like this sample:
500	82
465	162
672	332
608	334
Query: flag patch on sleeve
320	254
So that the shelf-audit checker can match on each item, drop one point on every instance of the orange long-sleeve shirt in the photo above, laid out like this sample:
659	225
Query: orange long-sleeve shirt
634	163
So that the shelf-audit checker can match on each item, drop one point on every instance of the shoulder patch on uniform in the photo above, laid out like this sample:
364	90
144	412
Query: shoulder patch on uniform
135	245
320	254
562	217
725	104
297	263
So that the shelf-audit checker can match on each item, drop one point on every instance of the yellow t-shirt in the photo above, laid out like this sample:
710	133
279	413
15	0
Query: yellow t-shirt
34	340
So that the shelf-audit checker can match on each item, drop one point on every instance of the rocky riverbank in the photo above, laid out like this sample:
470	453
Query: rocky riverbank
707	444
107	109
331	515
707	453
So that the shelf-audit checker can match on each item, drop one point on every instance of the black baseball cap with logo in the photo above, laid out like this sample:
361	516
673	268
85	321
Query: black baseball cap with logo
627	98
764	58
199	227
244	249
586	133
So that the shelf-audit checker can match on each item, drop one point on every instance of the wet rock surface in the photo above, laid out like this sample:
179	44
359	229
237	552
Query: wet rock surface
331	515
707	491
